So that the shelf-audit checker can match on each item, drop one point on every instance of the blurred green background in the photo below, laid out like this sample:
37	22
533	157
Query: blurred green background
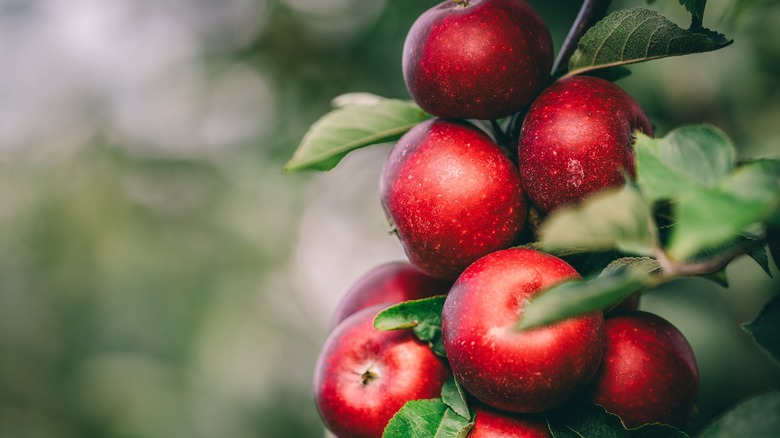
160	276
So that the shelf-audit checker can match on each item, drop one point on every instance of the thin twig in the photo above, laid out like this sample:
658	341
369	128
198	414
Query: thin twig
590	12
671	268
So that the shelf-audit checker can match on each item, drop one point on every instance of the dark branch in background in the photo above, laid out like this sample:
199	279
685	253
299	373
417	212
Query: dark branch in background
590	12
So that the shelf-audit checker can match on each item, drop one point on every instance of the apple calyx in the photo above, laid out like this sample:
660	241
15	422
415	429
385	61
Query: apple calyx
369	375
461	3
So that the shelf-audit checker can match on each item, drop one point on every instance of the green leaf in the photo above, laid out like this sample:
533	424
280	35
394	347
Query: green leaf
634	35
757	180
719	277
452	395
691	156
644	264
422	316
695	7
748	244
759	255
453	425
359	123
756	250
426	419
765	329
607	220
708	218
756	417
611	74
592	421
557	251
411	314
574	298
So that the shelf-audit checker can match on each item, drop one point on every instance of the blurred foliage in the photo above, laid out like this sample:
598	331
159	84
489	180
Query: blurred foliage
145	293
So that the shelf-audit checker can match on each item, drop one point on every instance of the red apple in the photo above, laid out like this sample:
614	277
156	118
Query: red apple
363	376
390	283
649	373
577	139
477	59
451	195
508	369
492	423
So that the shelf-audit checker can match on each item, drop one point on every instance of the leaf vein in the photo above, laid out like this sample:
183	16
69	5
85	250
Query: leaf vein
597	52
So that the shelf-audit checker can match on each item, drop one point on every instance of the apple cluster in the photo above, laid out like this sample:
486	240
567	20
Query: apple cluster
458	199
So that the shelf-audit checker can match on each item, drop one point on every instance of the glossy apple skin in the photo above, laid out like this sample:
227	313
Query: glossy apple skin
529	371
397	367
486	60
492	423
649	373
577	139
451	195
389	283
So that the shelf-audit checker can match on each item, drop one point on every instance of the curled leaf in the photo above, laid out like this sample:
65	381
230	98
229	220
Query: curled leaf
363	120
634	35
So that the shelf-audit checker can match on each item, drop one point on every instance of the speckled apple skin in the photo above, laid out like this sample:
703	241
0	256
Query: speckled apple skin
451	195
482	61
649	373
577	139
528	371
389	283
491	423
406	369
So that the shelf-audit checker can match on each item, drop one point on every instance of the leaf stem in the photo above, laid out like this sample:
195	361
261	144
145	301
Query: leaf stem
590	12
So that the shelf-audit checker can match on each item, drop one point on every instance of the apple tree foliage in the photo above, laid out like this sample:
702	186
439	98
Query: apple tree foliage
693	208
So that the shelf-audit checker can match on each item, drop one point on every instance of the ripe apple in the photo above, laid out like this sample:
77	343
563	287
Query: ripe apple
477	59
577	139
363	376
649	373
492	423
451	195
389	283
512	370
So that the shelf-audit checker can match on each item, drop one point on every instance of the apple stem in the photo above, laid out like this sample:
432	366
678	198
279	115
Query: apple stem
590	12
461	3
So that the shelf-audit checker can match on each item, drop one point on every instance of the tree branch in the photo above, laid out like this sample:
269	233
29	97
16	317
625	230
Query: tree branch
672	269
590	12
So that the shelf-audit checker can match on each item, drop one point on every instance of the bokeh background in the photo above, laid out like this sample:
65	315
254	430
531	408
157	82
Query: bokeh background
160	276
